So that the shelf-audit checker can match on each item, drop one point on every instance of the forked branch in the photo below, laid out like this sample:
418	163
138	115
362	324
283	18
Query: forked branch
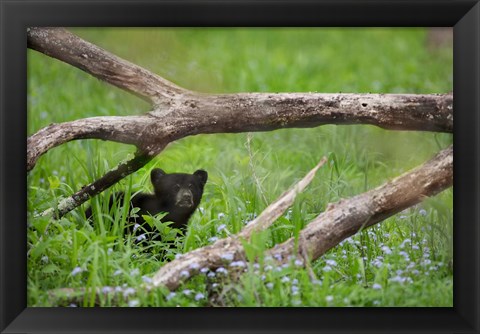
178	112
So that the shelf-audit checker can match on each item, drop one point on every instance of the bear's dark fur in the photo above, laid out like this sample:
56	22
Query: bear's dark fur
178	194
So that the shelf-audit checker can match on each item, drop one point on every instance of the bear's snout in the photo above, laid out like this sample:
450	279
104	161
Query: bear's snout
184	198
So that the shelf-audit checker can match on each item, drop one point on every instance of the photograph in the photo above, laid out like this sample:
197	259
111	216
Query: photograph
239	167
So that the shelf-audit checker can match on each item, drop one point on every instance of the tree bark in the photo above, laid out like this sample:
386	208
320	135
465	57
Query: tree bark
337	223
178	112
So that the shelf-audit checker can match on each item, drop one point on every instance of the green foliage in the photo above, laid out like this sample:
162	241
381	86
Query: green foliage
404	261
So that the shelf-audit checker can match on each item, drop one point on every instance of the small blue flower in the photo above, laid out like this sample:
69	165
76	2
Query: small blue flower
147	279
134	303
117	272
329	298
135	272
187	292
171	295
199	296
327	268
241	264
76	270
184	274
221	270
422	212
204	270
212	239
298	262
386	250
285	279
376	286
269	285
128	291
107	289
331	263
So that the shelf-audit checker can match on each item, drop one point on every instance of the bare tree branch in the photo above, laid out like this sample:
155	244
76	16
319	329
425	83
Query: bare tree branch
111	177
170	276
178	112
233	113
330	227
347	217
337	223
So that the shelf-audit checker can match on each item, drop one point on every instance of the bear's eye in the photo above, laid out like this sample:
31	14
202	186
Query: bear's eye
190	186
176	187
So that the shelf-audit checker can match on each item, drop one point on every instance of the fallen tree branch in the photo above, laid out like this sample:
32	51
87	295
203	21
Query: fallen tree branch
332	226
248	112
170	276
347	217
111	177
178	112
337	223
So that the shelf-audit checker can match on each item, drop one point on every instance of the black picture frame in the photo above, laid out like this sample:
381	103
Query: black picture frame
17	15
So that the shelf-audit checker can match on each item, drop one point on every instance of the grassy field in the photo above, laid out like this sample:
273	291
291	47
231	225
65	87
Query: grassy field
403	261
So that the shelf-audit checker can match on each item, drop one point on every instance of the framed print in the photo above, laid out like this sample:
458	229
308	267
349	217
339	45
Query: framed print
264	166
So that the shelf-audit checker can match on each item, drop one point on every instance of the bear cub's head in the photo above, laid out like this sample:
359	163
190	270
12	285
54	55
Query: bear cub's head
179	190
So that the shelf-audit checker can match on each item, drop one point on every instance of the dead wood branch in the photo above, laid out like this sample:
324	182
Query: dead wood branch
330	227
347	217
337	223
247	112
178	112
212	256
111	177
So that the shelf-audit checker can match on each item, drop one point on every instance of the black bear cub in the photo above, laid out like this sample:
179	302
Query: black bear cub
177	193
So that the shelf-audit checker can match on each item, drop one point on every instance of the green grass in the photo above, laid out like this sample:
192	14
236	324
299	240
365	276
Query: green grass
403	261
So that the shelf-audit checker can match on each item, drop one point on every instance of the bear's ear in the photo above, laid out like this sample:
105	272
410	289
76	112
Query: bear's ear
156	174
201	175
